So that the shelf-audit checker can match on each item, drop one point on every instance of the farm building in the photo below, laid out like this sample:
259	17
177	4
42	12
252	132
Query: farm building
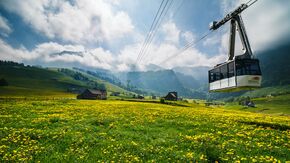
172	96
115	94
140	97
93	94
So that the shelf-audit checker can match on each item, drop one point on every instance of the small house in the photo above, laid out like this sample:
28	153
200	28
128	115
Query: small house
171	96
140	97
93	94
115	94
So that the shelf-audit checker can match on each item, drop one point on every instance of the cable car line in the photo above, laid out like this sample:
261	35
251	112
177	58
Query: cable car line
153	28
154	32
238	72
178	8
187	46
251	3
193	43
156	27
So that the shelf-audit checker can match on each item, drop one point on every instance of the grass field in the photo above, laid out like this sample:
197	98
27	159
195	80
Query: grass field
275	105
34	81
81	130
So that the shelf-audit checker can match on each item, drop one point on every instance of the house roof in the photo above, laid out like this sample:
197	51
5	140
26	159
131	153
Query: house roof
172	94
94	91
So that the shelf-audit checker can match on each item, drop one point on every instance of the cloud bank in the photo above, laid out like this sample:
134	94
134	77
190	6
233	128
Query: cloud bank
5	28
78	21
81	22
267	23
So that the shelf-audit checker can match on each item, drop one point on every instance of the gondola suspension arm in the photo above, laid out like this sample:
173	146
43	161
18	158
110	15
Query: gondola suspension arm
236	22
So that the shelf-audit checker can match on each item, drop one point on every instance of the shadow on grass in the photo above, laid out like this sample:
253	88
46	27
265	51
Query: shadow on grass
212	153
156	102
262	110
280	127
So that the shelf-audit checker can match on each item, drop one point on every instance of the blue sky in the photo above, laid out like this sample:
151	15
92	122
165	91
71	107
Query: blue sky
110	33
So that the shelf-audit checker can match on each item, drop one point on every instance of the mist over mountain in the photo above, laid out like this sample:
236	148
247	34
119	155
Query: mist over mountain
188	81
275	65
153	67
200	73
156	81
193	81
162	81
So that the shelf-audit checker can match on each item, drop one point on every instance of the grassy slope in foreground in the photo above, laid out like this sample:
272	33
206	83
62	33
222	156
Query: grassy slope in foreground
75	130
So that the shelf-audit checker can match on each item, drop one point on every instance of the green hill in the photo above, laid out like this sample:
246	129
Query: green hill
279	105
275	65
162	81
30	81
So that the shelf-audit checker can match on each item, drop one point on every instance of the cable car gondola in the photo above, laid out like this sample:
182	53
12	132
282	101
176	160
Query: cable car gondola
235	75
238	72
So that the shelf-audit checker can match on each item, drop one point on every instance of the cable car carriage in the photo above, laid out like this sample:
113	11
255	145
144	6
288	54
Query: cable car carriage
235	75
238	72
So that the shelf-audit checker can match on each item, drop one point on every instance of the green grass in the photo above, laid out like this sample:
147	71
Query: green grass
274	90
279	105
22	92
276	104
66	130
33	81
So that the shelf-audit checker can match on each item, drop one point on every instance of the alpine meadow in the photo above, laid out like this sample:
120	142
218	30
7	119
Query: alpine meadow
144	81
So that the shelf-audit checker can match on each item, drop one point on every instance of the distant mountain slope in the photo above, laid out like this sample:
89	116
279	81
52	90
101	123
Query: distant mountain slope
158	81
163	81
28	80
103	75
275	66
199	73
188	81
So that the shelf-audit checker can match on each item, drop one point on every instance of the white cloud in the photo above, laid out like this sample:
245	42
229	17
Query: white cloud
77	22
129	54
49	53
93	21
171	32
123	67
267	23
188	36
161	55
9	53
192	58
5	28
52	47
114	2
86	21
212	40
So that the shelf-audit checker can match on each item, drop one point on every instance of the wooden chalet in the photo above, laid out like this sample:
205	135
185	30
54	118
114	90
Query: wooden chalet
171	96
93	94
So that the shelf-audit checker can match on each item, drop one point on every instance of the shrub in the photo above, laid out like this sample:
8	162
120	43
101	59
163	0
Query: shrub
186	101
3	82
162	101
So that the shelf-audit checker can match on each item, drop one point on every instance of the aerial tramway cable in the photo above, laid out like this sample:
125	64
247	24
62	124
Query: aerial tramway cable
151	28
154	26
187	46
193	43
156	29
